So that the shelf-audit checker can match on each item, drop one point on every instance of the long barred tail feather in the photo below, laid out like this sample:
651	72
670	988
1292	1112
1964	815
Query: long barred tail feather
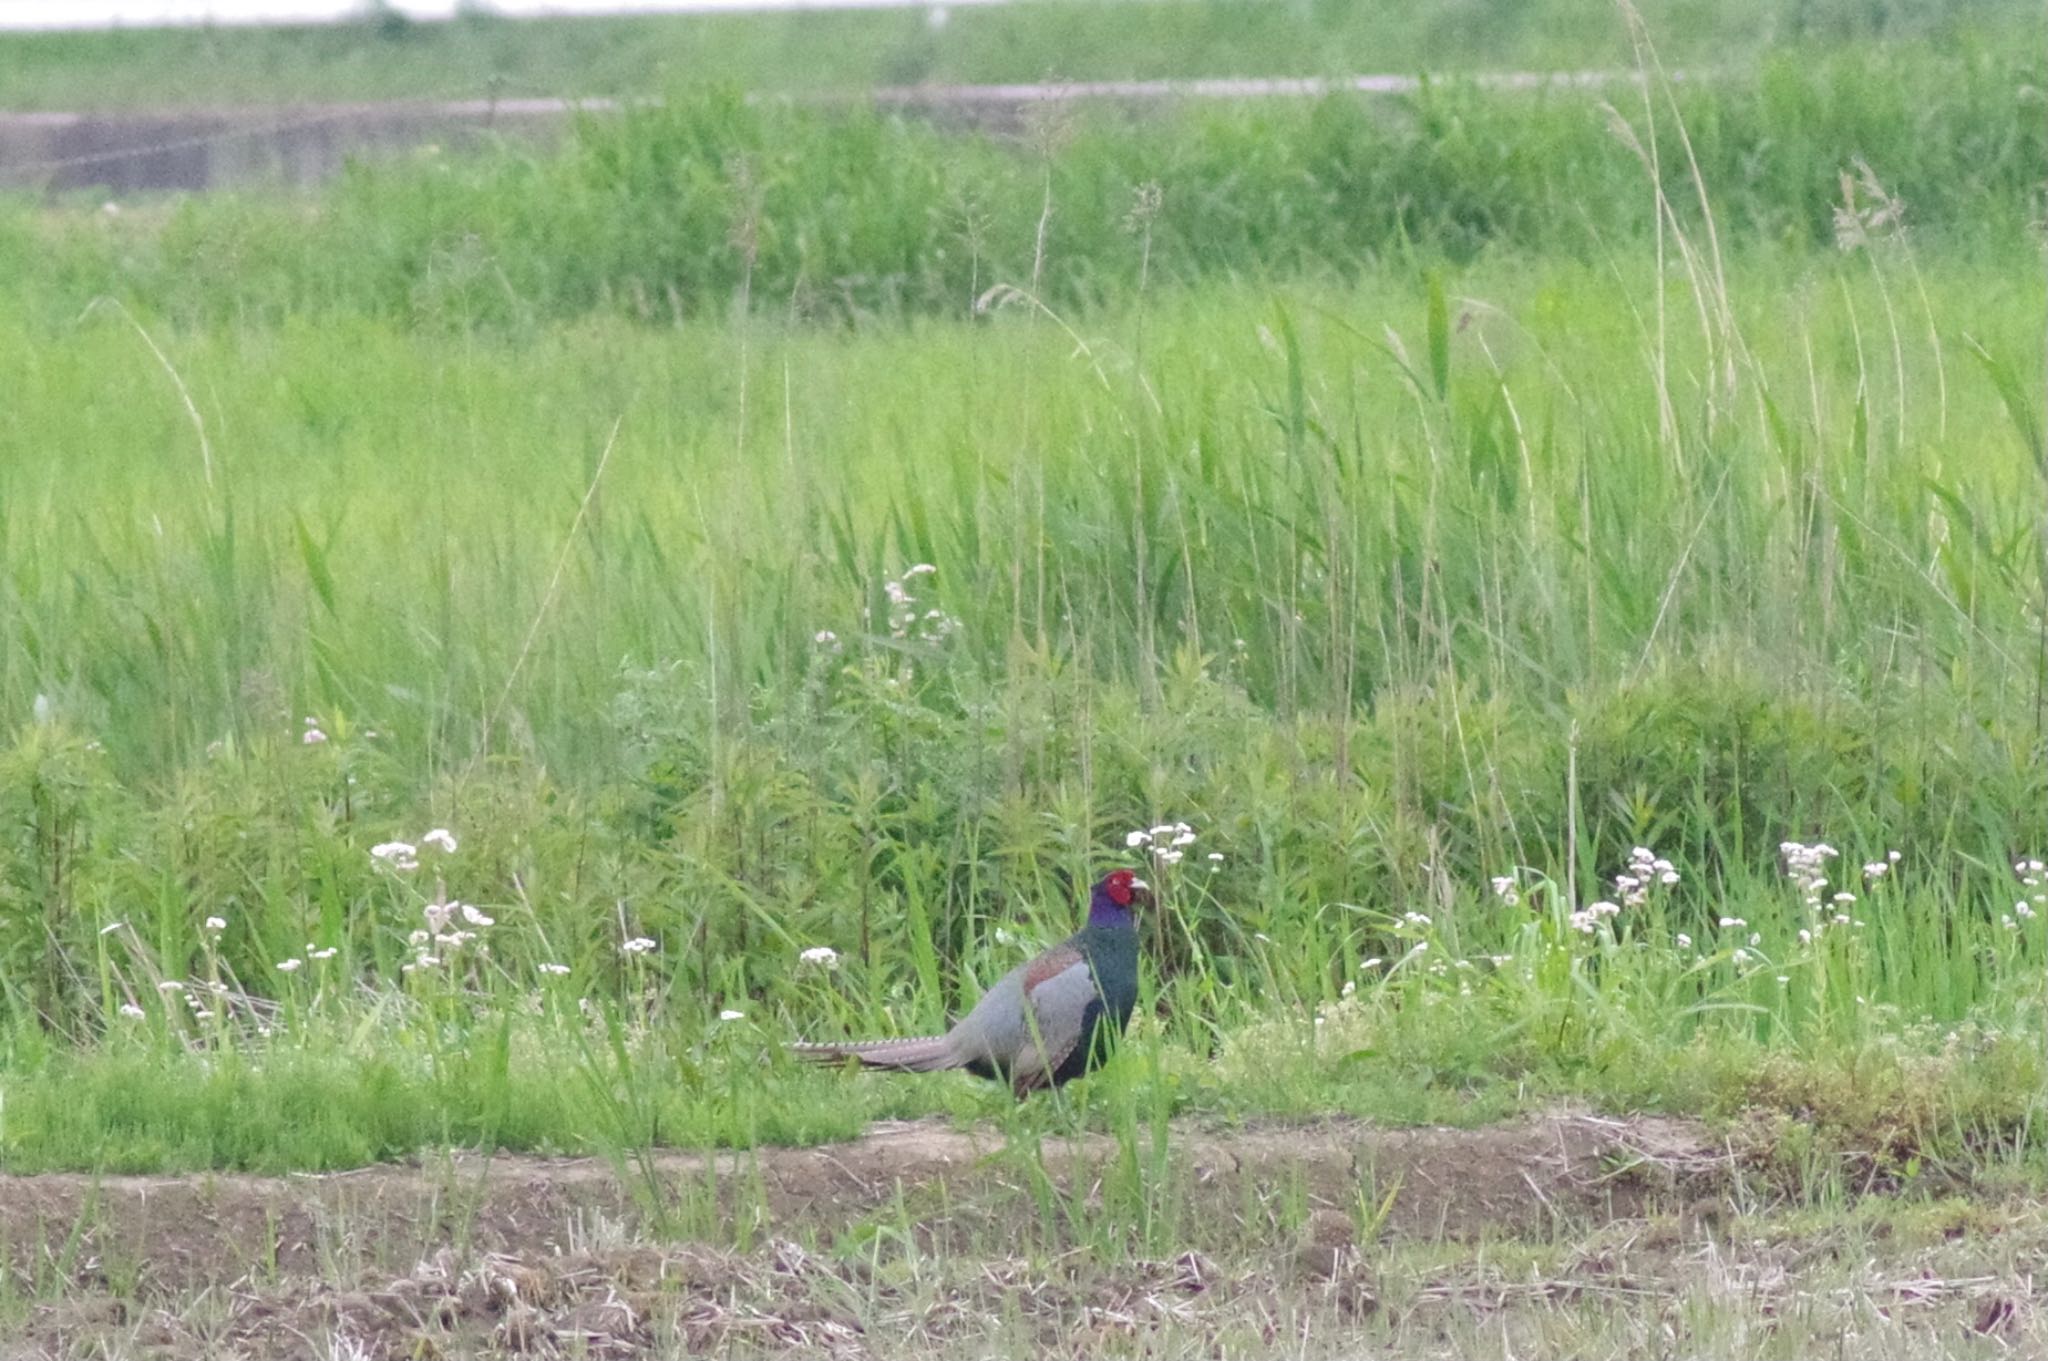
926	1054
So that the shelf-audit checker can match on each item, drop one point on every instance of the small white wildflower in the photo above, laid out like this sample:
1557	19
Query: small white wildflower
1372	963
1350	986
825	638
1841	919
922	569
558	970
820	956
1756	938
1892	856
216	924
131	1011
1184	839
1169	857
1668	877
1415	918
639	945
897	595
1783	979
1684	941
417	938
441	839
1741	956
313	737
400	855
2008	923
730	1015
328	953
290	965
1733	922
476	918
1845	898
1503	885
1133	840
1806	937
1216	855
2024	911
170	985
1876	869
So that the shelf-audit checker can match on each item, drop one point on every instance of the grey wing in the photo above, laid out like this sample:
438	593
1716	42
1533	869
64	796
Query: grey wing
994	1032
1058	1006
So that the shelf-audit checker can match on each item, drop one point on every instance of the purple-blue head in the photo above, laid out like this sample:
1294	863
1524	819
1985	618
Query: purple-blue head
1115	896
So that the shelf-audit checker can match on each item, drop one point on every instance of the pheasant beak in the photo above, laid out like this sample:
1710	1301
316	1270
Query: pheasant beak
1140	885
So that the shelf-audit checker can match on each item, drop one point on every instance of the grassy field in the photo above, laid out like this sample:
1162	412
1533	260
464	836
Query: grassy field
1579	572
479	57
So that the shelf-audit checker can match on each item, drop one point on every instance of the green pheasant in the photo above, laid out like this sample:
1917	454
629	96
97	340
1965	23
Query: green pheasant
1045	1022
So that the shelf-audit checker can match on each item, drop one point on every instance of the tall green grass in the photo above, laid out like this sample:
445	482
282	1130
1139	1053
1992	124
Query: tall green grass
1387	591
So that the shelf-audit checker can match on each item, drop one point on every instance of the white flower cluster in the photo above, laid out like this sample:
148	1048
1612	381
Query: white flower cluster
404	856
199	997
1168	843
1587	919
906	622
2033	876
1806	866
1505	889
440	939
819	957
1647	873
313	736
1646	870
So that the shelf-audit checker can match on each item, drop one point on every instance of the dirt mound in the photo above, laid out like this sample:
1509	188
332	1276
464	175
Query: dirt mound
504	1255
186	1231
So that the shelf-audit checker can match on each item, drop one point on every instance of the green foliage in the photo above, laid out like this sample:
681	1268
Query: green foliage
695	205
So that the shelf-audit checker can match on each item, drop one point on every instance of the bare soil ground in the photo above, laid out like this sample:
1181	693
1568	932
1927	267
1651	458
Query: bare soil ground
924	1240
